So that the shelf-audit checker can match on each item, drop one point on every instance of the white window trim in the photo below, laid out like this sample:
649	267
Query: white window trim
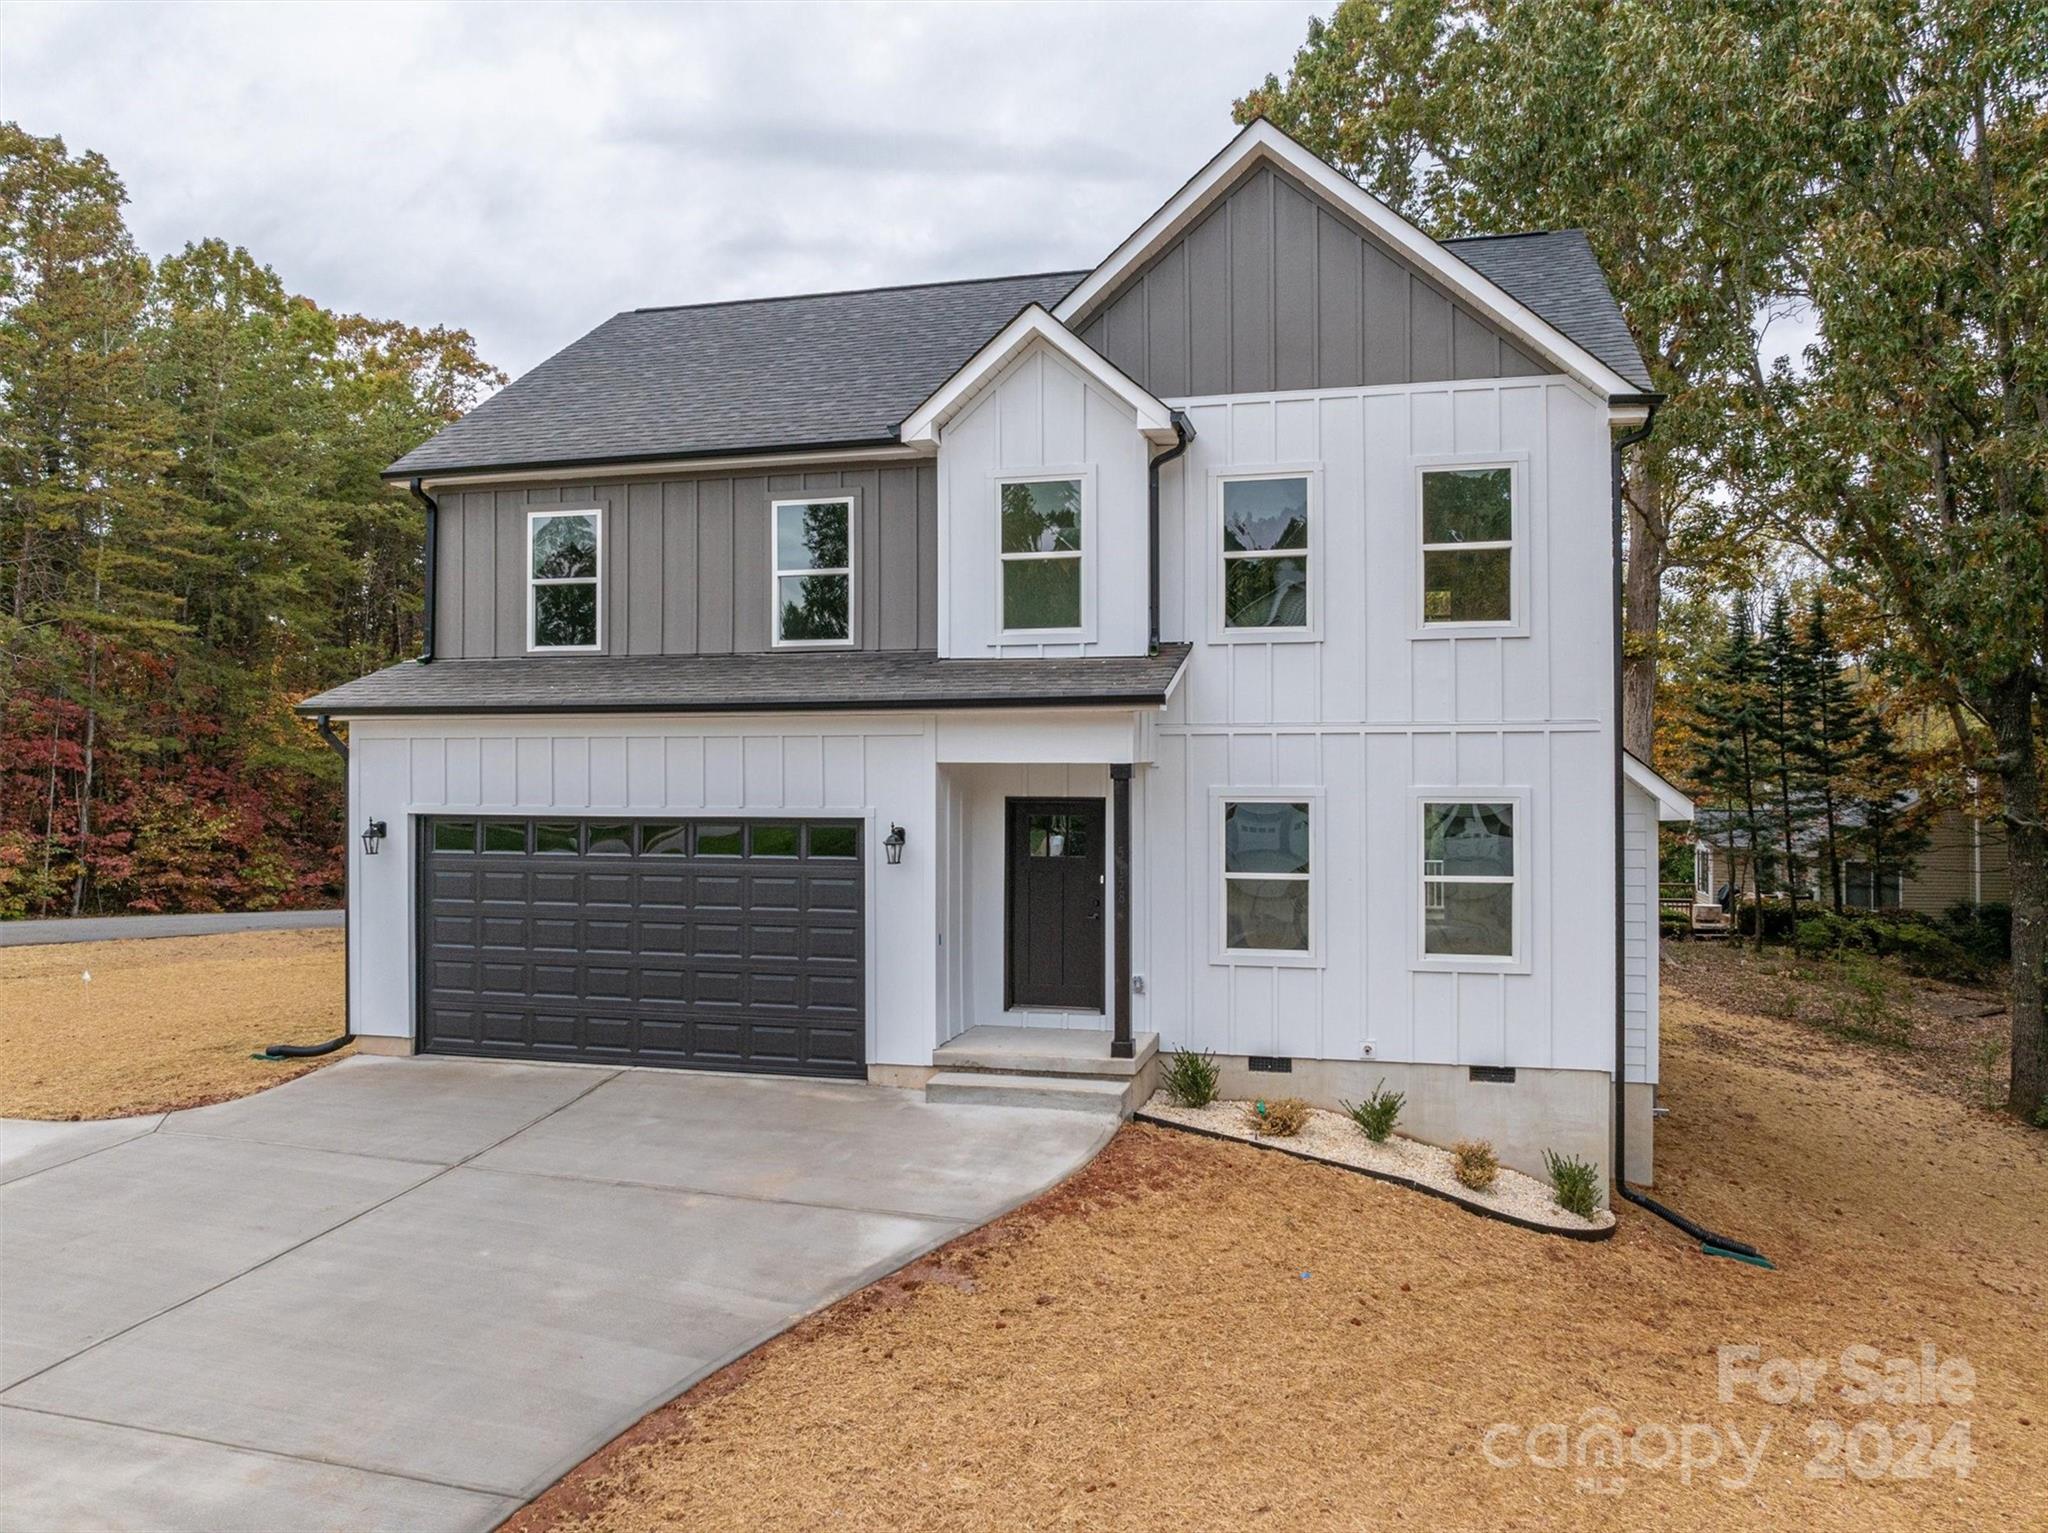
1517	543
1515	962
776	574
1220	800
533	520
1084	632
1310	632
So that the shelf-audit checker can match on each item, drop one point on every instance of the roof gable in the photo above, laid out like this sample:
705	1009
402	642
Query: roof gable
1461	279
1032	328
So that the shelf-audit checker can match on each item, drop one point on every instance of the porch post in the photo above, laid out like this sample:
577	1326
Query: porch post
1120	796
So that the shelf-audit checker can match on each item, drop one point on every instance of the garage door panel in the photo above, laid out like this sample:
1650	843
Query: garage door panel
713	944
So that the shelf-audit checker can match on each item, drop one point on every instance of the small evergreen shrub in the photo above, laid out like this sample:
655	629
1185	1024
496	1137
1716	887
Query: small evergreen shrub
1280	1118
1378	1113
1574	1183
1190	1078
1475	1164
1982	931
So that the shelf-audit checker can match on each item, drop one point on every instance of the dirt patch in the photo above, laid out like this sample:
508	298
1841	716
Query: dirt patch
161	1024
1193	1334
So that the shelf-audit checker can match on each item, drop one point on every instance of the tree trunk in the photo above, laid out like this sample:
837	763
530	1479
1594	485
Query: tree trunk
1642	595
2019	773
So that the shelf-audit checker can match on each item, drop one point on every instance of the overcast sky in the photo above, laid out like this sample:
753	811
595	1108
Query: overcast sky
525	171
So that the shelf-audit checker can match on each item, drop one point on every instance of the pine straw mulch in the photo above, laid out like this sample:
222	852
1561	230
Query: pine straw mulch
1195	1335
163	1023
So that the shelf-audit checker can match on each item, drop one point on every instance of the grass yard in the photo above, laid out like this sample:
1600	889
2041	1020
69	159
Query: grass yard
1192	1334
162	1024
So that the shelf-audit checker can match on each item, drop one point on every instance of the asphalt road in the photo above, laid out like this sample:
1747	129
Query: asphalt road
116	928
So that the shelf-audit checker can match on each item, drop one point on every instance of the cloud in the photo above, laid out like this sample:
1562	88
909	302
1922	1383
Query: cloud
525	171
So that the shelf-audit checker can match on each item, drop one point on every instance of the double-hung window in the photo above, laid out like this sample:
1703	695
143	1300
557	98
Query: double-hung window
1265	553
813	572
564	606
1468	544
1042	550
1468	880
1267	869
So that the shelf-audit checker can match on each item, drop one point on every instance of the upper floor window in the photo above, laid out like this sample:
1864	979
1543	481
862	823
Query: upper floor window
1265	553
813	571
1266	876
1468	880
1041	553
1468	544
563	560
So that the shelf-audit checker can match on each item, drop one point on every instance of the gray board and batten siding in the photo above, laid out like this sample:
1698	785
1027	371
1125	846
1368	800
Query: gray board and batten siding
686	568
1276	289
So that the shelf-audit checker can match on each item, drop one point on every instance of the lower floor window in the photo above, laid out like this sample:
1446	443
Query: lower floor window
1266	876
1468	880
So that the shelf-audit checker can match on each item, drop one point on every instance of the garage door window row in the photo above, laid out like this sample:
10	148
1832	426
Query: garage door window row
766	839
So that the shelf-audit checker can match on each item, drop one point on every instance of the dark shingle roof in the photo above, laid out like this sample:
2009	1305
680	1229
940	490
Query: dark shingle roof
787	681
764	374
1556	274
844	369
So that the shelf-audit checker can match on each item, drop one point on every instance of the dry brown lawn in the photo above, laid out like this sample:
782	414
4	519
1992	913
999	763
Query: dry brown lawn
162	1024
1197	1335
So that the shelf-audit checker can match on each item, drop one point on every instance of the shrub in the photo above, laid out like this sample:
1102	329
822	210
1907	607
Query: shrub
1862	1003
1982	931
1921	946
1574	1182
1777	920
1281	1118
1475	1164
1378	1113
1674	923
1190	1078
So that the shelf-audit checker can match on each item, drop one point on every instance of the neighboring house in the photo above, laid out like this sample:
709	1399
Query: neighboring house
1962	863
1216	644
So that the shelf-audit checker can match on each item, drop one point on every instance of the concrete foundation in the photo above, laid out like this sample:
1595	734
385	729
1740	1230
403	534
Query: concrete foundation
1639	1102
376	1043
1562	1110
902	1077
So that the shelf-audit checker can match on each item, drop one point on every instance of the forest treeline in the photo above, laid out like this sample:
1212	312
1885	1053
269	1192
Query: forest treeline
192	537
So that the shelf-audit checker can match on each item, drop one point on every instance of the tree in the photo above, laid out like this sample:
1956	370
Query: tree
1836	734
1787	729
1665	132
1729	728
1891	831
1915	440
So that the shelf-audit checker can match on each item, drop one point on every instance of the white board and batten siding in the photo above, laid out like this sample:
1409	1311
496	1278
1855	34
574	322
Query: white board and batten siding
1374	712
879	770
1040	416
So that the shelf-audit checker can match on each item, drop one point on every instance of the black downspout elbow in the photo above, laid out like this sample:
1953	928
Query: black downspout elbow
433	564
1184	432
1711	1243
312	1050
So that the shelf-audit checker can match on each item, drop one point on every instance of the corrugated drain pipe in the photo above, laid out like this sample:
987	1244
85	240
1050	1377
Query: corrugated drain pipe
310	1050
1184	430
1711	1244
433	562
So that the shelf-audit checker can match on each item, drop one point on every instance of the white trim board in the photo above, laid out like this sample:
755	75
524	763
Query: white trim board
1261	141
1671	803
1033	326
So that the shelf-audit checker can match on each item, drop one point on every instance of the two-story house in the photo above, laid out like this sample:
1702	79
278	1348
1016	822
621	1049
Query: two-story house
1216	648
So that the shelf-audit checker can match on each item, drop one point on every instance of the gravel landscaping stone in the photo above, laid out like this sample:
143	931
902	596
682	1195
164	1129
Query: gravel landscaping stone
1333	1138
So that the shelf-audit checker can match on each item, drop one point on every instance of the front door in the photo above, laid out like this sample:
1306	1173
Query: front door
1056	900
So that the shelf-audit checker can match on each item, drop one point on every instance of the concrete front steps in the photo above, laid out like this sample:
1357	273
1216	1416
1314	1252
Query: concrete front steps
1068	1068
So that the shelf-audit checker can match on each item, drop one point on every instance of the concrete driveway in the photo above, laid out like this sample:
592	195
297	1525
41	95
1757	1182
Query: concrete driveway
409	1294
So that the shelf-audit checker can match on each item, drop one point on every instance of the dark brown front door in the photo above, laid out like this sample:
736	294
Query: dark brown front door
1056	902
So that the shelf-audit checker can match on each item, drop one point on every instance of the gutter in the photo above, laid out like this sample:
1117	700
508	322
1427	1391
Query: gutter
1184	433
1711	1244
433	571
313	1050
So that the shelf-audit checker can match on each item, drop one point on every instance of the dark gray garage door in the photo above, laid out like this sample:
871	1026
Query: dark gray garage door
713	944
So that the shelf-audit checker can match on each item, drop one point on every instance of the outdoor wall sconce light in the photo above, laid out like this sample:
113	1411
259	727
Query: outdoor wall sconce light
892	845
373	833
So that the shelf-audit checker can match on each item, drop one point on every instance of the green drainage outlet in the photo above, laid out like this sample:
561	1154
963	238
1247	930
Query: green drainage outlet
1737	1256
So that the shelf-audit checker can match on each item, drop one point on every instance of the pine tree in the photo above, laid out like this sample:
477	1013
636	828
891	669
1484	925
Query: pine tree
1836	730
1893	832
1729	734
1788	699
